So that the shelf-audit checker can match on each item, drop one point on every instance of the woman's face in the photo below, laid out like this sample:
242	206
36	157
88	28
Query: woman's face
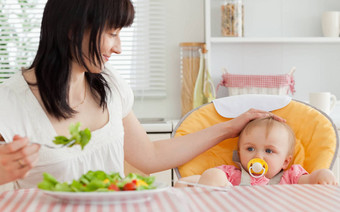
272	148
110	43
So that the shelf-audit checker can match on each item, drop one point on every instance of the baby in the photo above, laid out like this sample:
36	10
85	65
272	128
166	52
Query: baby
265	149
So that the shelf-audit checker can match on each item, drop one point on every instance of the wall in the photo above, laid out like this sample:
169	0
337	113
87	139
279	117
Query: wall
317	65
185	23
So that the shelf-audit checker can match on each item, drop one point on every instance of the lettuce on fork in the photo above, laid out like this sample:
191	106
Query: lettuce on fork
81	137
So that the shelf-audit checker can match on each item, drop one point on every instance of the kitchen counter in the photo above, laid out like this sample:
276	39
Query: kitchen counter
335	115
158	125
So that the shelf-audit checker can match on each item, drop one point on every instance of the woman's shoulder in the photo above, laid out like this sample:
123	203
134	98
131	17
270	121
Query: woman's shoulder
12	86
12	95
120	88
11	81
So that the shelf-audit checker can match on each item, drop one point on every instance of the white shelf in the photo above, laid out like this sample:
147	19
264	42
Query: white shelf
279	34
274	40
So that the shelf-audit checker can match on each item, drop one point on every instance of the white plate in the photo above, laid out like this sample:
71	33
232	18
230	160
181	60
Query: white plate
107	197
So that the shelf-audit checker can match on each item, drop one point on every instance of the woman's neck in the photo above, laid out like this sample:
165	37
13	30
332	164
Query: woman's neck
77	86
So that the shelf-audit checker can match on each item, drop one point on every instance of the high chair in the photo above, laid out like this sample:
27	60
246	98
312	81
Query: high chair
316	136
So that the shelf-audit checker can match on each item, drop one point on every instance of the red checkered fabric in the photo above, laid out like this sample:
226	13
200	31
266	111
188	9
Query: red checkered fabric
259	81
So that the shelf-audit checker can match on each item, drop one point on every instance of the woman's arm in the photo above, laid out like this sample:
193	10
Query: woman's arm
165	154
321	176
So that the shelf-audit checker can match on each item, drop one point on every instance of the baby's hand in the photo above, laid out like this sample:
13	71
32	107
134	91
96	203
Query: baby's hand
214	177
323	176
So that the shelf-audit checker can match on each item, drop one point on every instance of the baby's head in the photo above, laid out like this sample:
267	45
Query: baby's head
267	139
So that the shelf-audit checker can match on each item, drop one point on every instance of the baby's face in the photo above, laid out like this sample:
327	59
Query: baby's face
273	148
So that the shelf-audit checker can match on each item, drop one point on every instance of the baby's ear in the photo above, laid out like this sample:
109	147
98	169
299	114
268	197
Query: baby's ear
287	161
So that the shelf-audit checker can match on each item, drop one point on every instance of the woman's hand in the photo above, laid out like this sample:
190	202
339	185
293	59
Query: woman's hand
237	124
17	158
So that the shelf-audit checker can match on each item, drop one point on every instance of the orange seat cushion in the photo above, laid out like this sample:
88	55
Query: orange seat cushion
316	138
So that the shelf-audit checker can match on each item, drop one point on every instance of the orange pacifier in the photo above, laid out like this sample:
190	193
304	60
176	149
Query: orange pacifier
257	167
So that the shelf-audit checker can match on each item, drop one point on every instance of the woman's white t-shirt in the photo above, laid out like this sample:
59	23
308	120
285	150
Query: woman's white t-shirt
21	113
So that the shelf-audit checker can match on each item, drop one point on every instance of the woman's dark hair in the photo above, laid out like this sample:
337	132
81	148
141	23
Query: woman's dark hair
62	30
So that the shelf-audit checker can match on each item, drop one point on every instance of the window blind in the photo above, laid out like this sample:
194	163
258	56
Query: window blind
141	63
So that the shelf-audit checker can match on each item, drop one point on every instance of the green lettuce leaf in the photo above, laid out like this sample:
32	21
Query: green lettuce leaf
81	137
95	181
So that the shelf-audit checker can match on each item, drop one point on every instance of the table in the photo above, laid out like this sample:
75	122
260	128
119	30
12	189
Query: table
238	198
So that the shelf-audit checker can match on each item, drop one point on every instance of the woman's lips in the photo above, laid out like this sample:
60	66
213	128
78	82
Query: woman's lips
106	58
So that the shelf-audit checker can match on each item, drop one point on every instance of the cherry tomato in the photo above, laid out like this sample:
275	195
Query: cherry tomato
113	187
129	187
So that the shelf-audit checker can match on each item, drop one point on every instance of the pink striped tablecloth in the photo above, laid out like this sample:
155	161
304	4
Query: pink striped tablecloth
239	198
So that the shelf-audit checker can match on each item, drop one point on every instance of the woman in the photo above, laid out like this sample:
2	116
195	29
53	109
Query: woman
68	82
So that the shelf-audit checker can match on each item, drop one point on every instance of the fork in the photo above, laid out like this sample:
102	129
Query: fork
214	188
49	146
58	147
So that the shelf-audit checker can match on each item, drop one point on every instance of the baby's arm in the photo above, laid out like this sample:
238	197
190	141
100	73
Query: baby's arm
214	177
321	176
